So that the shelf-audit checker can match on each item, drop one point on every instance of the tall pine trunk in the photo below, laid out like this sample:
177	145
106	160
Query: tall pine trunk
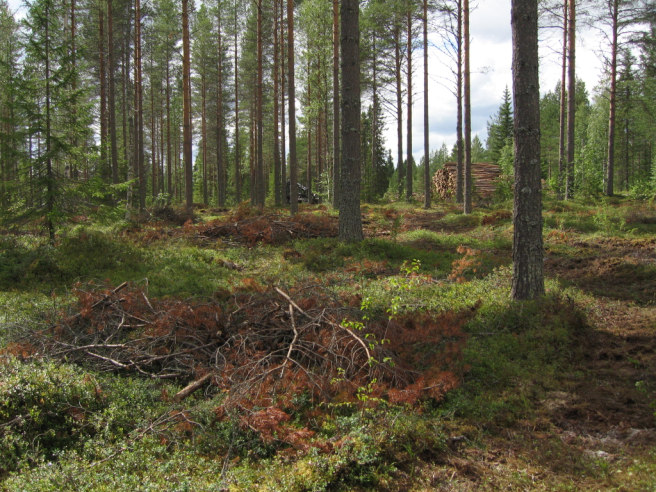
563	108
220	159
527	282
571	98
409	159
259	168
336	106
102	76
467	116
610	163
427	183
237	147
186	107
276	135
399	103
460	178
291	93
350	220
112	90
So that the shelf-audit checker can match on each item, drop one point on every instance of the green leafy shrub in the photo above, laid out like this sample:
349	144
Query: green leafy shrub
44	407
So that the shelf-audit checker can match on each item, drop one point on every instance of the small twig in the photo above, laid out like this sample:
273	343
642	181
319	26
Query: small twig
107	359
332	323
147	301
291	345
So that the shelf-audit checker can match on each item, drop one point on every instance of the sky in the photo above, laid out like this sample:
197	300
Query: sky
491	57
491	60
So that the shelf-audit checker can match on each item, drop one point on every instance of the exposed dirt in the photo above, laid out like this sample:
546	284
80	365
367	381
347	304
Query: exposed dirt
611	268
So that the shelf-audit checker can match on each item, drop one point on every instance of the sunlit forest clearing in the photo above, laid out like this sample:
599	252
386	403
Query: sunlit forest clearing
470	390
215	274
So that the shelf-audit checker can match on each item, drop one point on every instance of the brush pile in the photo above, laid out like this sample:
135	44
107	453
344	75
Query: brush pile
258	347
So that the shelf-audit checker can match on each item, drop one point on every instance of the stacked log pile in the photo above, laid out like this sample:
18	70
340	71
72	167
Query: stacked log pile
444	183
484	176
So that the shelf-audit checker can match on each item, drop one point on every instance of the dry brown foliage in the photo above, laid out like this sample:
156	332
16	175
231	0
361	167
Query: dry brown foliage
268	229
260	348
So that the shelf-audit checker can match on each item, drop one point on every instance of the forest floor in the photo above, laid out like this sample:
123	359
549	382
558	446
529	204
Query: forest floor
558	394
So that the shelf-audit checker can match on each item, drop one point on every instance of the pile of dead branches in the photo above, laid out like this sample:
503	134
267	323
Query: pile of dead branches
270	229
260	344
256	348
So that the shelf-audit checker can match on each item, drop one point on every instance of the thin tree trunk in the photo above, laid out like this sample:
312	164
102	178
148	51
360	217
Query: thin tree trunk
399	104
112	91
460	178
50	184
571	98
203	126
610	165
221	174
336	106
73	54
102	71
169	162
308	129
409	159
283	151
186	107
125	70
563	108
153	136
427	183
467	115
259	174
237	148
139	142
276	144
293	165
374	115
527	282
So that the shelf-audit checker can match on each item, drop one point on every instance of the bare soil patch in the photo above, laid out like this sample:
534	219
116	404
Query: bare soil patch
611	268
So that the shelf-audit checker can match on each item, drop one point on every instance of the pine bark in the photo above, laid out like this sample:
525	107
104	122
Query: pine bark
467	116
610	163
102	71
186	107
283	143
138	110
527	282
276	135
409	159
350	220
427	182
203	131
237	140
259	168
460	179
293	165
563	108
112	91
399	101
220	159
571	98
336	106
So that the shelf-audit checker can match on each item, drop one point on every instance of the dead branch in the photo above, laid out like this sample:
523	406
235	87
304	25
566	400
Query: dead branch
190	388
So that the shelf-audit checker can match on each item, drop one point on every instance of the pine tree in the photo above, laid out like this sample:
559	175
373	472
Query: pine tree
500	128
528	281
350	220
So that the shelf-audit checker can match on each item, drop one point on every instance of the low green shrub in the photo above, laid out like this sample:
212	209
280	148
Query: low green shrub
44	408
